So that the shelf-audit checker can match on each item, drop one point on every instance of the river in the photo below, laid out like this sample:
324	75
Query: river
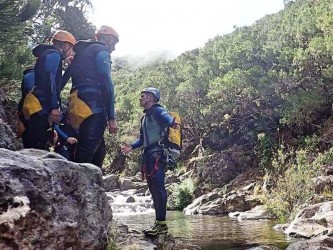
212	232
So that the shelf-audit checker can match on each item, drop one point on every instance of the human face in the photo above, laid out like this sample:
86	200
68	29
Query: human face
112	41
144	100
68	52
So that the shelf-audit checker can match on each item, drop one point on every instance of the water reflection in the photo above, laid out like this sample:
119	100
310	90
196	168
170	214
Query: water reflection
213	232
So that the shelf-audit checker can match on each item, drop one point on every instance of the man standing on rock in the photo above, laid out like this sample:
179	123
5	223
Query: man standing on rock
91	106
44	100
153	128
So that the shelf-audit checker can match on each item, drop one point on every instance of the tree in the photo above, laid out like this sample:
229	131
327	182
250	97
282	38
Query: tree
70	15
13	15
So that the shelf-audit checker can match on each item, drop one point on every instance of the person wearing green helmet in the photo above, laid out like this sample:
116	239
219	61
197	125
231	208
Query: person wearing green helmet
153	128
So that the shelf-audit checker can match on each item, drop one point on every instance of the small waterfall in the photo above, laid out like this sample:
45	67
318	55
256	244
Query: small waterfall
130	202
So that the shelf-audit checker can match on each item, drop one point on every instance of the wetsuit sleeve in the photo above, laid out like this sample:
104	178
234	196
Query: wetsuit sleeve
28	82
61	134
138	142
163	117
51	65
27	85
103	64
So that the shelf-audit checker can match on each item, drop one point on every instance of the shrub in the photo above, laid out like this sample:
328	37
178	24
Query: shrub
294	186
181	195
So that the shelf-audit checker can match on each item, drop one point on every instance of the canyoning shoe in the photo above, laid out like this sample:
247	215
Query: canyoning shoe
149	229
157	229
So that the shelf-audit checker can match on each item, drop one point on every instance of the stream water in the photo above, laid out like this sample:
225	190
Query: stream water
209	232
212	232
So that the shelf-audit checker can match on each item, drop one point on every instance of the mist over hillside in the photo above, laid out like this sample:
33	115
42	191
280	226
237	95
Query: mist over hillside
148	58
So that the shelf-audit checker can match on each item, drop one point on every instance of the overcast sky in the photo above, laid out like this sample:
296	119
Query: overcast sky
176	25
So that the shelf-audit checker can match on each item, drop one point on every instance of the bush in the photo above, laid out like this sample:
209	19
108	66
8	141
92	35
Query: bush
294	186
181	195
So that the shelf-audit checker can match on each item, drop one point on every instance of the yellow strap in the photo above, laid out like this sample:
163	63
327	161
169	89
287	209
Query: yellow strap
78	110
31	105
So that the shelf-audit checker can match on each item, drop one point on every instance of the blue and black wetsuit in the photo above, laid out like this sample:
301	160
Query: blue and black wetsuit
28	82
48	73
64	131
153	128
91	76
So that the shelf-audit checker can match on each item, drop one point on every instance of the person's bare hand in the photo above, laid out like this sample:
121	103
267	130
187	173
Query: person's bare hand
175	125
126	148
71	140
113	126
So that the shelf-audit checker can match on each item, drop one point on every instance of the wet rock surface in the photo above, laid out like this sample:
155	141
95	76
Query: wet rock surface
132	239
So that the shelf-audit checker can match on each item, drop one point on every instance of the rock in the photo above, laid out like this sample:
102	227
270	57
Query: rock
234	214
130	199
47	202
141	191
127	183
323	182
213	204
171	178
198	192
281	227
127	239
110	182
218	170
313	220
320	243
7	137
264	248
168	242
306	229
195	206
328	169
249	186
137	177
256	213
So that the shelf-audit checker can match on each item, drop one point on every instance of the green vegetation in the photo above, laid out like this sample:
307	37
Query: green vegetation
259	87
23	24
112	237
292	178
265	79
181	195
265	90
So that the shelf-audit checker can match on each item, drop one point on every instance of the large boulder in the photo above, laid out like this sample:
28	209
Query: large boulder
47	202
256	213
312	221
215	203
322	242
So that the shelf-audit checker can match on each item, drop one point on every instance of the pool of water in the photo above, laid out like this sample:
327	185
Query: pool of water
212	232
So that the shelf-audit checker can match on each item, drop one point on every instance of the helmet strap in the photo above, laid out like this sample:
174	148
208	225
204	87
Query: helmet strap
64	51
